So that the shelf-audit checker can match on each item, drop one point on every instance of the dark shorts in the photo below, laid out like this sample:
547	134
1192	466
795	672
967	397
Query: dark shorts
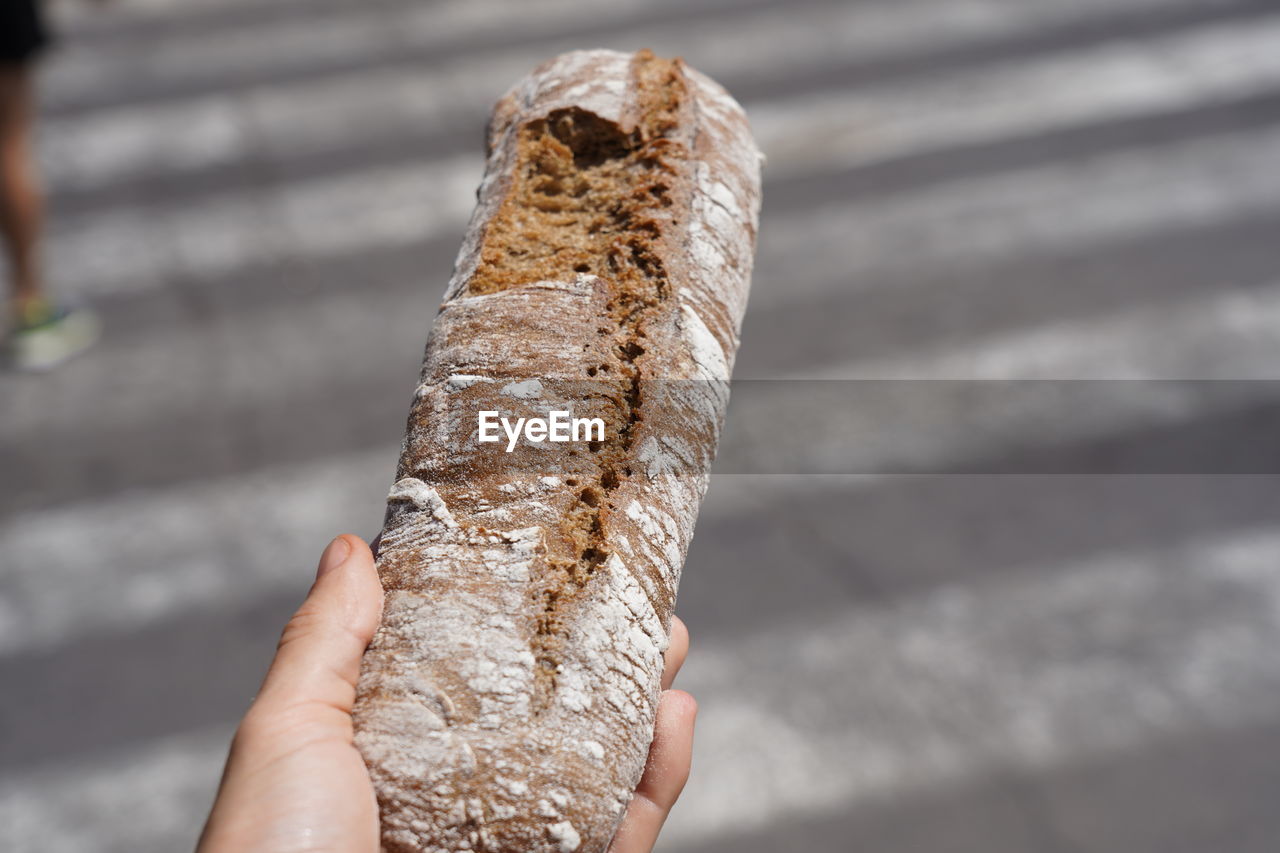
23	32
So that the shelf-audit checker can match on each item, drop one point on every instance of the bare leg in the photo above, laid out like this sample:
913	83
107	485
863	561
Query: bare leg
43	336
21	203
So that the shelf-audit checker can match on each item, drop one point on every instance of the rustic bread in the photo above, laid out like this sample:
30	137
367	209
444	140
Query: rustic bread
507	701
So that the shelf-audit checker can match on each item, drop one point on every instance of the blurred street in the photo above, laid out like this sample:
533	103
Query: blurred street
264	201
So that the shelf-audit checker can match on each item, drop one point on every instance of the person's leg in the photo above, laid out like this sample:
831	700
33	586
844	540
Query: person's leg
21	204
41	333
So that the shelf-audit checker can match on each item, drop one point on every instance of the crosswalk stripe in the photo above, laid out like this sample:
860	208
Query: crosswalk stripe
100	147
796	722
795	719
265	45
314	343
1059	207
1109	81
166	549
136	249
454	17
986	406
153	799
1233	334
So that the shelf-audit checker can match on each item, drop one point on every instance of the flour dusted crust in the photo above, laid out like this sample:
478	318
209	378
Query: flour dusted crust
507	702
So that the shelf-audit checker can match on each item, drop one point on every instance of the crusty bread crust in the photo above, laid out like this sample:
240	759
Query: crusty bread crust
507	701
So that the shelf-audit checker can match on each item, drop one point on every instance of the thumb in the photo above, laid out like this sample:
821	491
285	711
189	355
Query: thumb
318	660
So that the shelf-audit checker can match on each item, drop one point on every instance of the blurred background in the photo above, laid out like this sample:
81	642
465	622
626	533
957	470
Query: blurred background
263	201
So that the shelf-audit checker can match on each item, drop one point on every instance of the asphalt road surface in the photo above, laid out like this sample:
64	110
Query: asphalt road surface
1058	631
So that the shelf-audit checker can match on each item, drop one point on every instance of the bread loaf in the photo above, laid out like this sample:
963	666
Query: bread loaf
507	701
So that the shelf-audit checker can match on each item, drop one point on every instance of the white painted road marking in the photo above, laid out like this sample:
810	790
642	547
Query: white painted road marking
1025	670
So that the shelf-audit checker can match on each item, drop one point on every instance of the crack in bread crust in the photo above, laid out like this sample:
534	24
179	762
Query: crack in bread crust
594	197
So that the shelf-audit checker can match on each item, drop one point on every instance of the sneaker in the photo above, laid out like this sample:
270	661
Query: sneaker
46	342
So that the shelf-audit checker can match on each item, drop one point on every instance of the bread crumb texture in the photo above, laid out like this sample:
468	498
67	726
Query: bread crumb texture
507	701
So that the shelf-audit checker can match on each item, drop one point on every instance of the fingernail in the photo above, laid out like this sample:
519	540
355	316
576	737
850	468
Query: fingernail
334	555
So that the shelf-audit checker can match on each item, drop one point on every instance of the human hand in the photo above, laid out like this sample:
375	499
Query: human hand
294	780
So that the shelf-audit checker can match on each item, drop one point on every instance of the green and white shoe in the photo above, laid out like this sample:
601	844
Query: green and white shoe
44	342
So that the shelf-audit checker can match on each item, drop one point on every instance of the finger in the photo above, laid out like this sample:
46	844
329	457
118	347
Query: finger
670	757
674	657
318	660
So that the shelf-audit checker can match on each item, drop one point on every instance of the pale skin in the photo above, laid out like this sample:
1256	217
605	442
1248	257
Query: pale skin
294	780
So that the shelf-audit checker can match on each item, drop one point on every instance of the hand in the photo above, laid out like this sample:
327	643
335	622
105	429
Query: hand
294	780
